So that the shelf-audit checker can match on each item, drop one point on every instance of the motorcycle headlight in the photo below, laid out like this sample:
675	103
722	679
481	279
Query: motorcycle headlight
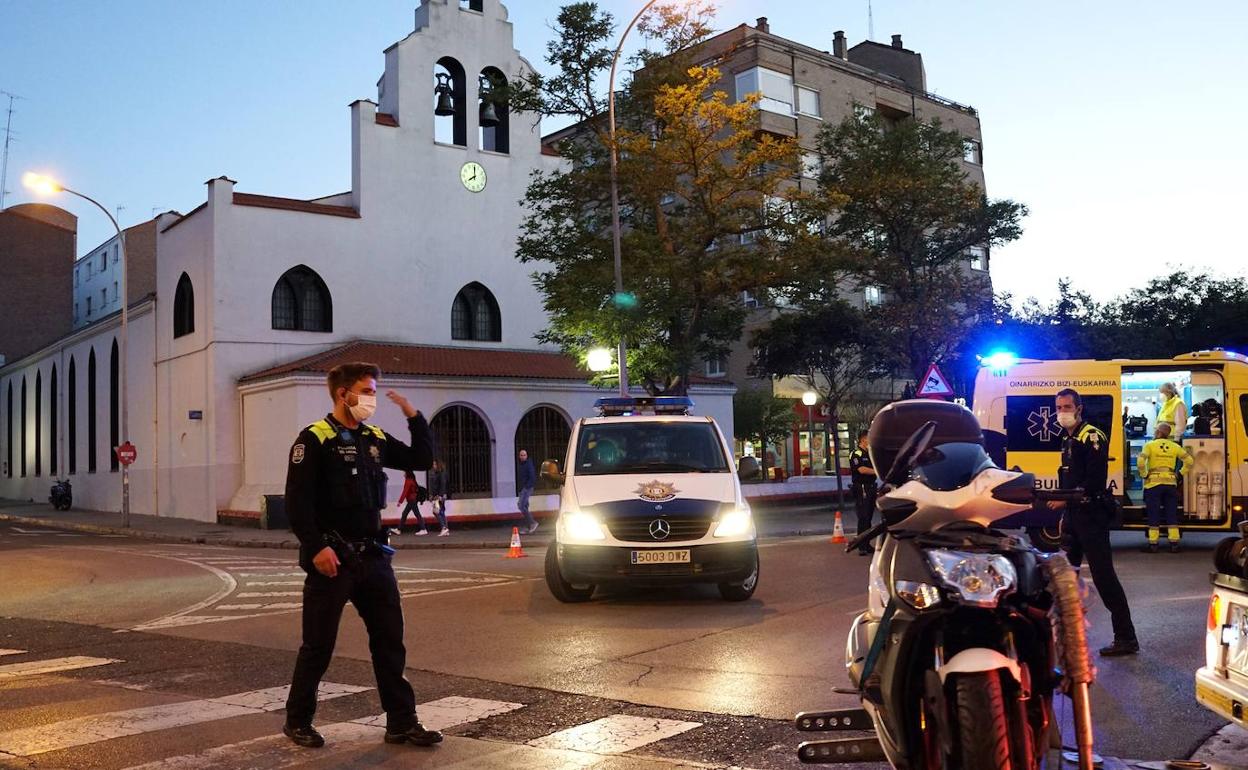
578	525
979	578
734	523
918	595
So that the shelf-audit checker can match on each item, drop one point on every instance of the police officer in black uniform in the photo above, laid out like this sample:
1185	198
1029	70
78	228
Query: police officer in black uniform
1086	522
335	490
862	482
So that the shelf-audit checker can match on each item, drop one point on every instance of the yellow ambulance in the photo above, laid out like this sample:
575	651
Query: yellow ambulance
1014	401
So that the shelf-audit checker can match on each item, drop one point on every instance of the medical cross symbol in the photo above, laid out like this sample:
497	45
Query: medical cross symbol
1041	424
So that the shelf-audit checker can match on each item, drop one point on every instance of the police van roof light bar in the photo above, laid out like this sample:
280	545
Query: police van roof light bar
622	407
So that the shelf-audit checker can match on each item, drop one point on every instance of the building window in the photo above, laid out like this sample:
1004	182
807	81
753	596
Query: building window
116	292
808	102
88	307
75	278
492	102
749	300
75	312
71	441
471	5
812	165
979	257
543	432
450	102
183	307
462	442
103	298
475	315
776	89
52	420
23	427
91	413
972	152
863	112
872	295
38	423
114	411
716	367
116	251
104	260
8	440
301	302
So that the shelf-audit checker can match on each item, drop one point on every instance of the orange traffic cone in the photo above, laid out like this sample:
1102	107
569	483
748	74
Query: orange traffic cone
838	531
515	552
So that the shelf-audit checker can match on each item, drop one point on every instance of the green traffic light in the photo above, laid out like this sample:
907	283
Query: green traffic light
624	299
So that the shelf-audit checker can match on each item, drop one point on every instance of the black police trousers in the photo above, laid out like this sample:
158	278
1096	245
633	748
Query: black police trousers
1086	534
369	584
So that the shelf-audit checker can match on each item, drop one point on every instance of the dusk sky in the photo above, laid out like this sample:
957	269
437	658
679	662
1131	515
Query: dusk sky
1118	123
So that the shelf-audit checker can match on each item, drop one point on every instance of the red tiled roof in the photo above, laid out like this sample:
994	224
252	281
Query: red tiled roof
548	150
291	204
386	119
435	361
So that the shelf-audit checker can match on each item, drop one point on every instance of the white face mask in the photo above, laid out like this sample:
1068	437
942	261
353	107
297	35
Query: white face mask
1067	419
364	407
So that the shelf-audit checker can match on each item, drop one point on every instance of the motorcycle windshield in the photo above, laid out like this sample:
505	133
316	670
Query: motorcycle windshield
951	466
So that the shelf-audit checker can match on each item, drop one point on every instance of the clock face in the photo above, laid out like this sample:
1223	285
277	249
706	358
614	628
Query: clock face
473	176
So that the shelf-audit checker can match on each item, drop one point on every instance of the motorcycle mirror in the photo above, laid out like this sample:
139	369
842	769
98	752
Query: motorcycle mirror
909	453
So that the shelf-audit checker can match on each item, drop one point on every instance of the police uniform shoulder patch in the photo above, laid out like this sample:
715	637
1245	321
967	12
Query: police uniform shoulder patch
296	454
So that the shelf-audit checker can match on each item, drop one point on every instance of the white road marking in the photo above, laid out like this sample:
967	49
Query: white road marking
271	574
276	751
274	606
82	731
51	666
11	652
53	532
250	583
615	734
265	594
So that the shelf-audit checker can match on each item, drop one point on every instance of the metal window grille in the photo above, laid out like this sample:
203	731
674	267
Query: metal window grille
114	410
71	440
461	315
461	441
312	312
8	443
284	305
23	458
91	413
184	307
52	421
543	433
38	423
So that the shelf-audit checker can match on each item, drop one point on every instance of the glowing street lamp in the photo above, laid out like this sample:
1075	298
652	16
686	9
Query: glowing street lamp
46	185
599	360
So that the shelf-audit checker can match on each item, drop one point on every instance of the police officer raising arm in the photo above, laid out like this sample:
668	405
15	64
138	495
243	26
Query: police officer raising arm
335	491
1086	522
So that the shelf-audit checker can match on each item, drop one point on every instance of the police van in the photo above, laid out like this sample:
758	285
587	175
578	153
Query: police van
1014	401
649	497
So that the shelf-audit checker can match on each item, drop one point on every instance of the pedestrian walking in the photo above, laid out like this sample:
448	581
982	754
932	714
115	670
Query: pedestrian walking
410	498
335	492
526	481
438	494
1086	522
1159	467
862	477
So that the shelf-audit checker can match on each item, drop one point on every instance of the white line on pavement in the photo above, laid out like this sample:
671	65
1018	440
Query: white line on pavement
82	731
11	652
266	594
615	734
271	574
36	667
276	751
274	606
250	583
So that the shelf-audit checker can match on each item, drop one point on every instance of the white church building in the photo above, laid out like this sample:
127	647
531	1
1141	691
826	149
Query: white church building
257	296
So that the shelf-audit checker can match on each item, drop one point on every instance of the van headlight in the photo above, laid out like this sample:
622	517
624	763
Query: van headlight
579	525
734	523
979	578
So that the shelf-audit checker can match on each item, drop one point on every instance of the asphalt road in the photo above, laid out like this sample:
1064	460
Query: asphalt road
168	653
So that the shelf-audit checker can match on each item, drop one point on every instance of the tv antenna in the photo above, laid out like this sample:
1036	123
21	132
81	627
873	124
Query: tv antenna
870	22
8	139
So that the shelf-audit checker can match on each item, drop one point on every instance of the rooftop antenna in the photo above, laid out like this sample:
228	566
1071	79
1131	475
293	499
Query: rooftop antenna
8	139
119	210
156	210
870	22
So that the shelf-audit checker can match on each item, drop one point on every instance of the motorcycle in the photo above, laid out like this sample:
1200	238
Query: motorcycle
969	631
62	495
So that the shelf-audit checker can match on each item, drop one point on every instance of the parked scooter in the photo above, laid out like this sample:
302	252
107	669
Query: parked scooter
62	495
969	631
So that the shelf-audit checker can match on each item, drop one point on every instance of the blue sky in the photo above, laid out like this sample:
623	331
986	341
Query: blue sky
1117	122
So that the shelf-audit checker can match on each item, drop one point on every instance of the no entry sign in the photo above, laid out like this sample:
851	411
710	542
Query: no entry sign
126	453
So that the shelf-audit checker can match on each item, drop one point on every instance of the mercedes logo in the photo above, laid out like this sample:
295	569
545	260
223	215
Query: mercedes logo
660	529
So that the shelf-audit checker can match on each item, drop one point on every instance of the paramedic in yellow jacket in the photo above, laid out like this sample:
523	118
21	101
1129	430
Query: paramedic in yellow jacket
1172	410
1159	467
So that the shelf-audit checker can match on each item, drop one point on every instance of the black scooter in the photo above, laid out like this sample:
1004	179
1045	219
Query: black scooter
969	632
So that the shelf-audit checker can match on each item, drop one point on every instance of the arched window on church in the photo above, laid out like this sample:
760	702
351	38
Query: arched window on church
301	302
493	118
8	439
23	426
38	423
71	440
461	440
54	390
183	307
543	432
91	413
114	407
475	315
450	102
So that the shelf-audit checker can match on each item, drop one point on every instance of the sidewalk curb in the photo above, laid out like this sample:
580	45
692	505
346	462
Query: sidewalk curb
293	544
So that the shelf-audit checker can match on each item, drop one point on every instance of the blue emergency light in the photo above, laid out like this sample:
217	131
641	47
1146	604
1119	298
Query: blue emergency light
999	360
624	406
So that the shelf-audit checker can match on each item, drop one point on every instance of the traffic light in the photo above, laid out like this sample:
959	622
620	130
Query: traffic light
624	300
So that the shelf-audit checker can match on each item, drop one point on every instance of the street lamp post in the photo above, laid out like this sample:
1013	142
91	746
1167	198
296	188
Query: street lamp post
809	398
615	189
47	186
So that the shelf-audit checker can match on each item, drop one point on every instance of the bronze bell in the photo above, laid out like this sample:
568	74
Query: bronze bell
488	115
445	105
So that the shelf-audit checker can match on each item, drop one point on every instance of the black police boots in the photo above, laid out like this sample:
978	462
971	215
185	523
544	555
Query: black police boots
1121	647
416	735
305	736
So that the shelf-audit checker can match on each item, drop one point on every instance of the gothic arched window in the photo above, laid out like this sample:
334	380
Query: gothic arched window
301	302
475	315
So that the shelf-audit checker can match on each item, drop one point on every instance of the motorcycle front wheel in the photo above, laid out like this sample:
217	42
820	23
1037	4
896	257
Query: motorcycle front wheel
983	726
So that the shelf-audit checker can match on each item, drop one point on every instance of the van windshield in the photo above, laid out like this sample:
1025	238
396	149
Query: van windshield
649	447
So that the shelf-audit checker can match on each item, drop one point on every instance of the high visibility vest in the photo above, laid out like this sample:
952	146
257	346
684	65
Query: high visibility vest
1158	462
1168	410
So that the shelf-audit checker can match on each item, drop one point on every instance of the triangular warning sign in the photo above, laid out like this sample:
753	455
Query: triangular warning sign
934	383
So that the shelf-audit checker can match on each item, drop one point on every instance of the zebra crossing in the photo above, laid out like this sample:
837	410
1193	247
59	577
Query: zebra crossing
77	739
